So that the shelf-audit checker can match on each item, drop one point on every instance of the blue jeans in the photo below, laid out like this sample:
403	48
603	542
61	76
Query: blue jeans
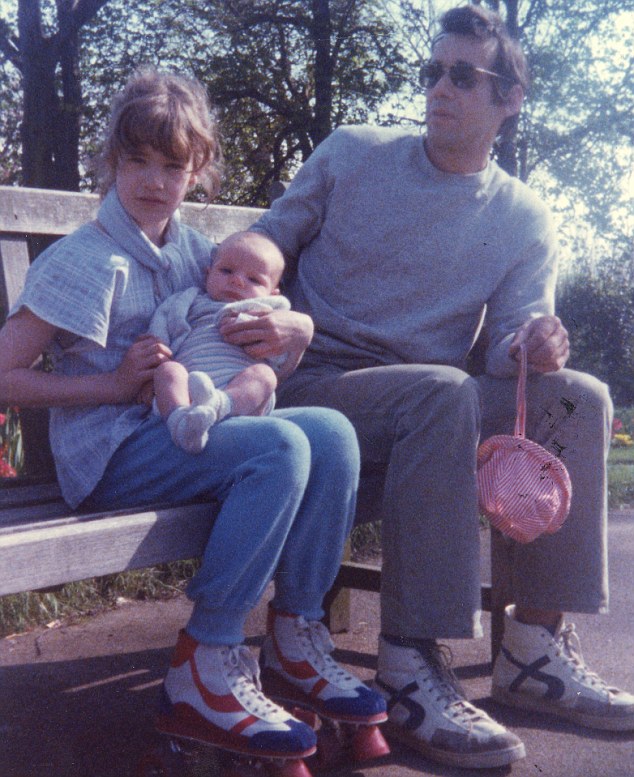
287	486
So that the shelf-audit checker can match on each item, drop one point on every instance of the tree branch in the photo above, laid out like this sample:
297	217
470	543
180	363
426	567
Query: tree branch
84	10
9	45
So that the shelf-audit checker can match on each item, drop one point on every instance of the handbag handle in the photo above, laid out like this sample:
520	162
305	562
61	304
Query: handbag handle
520	419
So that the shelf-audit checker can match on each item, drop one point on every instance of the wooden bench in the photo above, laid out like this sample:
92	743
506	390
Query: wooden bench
42	542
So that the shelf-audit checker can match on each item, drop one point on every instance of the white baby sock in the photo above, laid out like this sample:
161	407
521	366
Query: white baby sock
203	393
189	426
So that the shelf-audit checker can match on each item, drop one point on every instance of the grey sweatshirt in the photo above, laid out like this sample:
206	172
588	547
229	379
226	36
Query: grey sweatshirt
397	261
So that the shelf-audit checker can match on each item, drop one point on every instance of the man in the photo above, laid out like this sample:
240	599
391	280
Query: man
397	246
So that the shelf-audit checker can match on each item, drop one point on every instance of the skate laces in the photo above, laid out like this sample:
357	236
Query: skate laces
318	644
435	664
569	647
243	674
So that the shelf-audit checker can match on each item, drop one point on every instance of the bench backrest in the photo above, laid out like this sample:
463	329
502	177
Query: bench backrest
30	219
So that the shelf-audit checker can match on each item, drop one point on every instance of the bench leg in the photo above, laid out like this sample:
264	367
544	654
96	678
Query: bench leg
337	603
501	587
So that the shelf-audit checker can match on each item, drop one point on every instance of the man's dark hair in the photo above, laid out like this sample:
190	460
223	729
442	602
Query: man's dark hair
477	22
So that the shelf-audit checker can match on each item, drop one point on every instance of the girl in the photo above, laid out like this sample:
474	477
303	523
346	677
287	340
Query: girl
286	482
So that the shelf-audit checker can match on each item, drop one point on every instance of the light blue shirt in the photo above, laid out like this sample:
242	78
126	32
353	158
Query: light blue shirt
397	261
100	286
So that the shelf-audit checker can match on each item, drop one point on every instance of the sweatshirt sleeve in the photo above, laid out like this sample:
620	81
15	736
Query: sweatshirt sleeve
527	292
296	217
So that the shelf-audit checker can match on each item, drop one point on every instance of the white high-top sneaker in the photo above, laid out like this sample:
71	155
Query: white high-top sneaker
428	711
297	668
212	694
536	670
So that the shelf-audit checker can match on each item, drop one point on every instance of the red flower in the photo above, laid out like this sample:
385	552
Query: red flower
6	470
3	418
617	425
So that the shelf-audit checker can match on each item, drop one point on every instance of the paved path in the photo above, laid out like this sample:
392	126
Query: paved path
78	701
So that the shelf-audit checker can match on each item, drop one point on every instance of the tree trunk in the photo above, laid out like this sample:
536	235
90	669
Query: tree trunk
40	107
51	121
506	149
66	160
321	30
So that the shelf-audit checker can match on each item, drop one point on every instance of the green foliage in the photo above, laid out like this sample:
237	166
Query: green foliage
285	73
22	611
597	308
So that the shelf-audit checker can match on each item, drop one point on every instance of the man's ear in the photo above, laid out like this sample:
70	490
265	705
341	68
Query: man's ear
513	100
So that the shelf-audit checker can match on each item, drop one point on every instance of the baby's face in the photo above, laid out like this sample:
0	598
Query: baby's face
237	274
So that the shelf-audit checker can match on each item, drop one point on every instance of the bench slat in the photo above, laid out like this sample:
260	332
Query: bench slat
13	493
43	212
22	517
14	263
56	554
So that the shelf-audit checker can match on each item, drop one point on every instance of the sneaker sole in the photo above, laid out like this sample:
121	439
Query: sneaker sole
481	760
284	693
191	726
523	701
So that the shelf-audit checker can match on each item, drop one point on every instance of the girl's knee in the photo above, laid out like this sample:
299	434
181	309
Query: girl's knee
332	437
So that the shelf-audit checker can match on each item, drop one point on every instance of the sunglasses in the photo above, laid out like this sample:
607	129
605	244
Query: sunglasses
463	75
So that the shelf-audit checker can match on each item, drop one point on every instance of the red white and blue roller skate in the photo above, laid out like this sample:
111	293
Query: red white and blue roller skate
212	697
298	672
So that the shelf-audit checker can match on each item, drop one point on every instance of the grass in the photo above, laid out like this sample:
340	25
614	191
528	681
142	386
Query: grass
621	460
621	477
20	612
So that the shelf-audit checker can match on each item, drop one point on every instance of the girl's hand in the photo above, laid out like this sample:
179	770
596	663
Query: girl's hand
270	334
146	394
138	365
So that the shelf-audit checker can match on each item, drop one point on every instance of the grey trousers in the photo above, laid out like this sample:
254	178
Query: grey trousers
424	423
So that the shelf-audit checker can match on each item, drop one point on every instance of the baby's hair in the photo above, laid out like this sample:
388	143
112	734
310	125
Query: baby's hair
172	114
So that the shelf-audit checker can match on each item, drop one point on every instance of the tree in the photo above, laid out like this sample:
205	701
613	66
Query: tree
285	72
596	308
46	56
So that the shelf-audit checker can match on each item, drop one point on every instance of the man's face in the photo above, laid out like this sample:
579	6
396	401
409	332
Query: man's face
463	123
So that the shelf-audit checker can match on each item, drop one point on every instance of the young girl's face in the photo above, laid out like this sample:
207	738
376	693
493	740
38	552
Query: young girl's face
151	187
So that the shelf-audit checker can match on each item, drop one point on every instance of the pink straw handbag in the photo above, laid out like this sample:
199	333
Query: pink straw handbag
522	488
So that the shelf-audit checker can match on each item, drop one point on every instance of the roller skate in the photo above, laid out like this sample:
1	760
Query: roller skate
212	707
299	673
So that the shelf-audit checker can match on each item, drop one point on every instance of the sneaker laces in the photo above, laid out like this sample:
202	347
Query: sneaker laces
243	674
318	644
569	647
435	664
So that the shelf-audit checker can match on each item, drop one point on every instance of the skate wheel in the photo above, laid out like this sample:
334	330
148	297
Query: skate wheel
294	768
163	761
368	742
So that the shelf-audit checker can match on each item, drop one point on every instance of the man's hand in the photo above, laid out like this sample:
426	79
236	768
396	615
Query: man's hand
138	365
270	333
547	345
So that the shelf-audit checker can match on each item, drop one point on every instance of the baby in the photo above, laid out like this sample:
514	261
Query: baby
209	379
